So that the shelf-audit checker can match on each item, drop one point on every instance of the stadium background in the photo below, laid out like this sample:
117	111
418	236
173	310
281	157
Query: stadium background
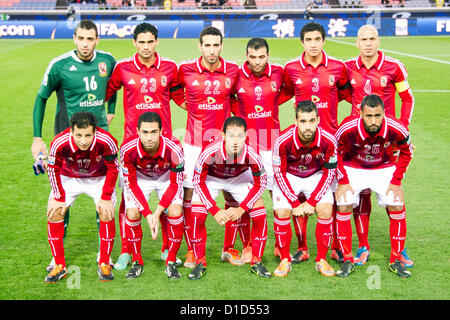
34	32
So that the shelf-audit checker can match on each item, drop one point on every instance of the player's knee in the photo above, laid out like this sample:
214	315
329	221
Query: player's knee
283	213
174	210
395	208
324	211
188	192
133	214
57	216
259	203
345	208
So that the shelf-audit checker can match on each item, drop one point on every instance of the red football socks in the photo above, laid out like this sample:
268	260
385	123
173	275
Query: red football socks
397	232
107	233
175	230
283	234
258	231
55	232
324	232
133	230
344	234
361	215
197	231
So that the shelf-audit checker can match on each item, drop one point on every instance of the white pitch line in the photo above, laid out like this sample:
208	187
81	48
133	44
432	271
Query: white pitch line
395	52
431	90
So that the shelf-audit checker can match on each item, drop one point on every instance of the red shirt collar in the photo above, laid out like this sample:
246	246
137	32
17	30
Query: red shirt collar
267	70
241	157
363	133
221	69
139	65
75	148
161	150
298	143
304	64
376	65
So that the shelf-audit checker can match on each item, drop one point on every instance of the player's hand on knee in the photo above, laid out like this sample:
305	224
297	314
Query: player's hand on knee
397	190
342	191
221	217
55	210
105	209
298	211
235	213
308	210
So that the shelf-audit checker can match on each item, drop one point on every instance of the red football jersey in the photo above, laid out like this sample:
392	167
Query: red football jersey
320	85
291	156
356	148
215	162
66	159
136	162
207	98
381	79
257	103
145	89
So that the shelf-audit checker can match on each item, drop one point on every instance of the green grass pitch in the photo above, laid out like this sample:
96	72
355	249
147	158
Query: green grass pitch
24	250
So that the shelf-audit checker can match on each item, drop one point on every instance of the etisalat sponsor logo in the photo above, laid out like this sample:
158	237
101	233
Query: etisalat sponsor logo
260	113
148	104
92	101
210	105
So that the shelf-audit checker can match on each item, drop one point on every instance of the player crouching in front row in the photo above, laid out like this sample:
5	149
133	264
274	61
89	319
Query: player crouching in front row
365	161
224	165
152	162
82	159
304	160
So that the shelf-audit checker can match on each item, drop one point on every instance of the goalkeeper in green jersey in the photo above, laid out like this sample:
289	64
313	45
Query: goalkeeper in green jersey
79	78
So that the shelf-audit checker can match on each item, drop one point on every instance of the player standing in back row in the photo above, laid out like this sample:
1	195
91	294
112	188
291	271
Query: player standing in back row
322	79
149	82
373	72
79	78
208	81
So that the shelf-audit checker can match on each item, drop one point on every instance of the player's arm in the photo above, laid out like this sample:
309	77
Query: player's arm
259	183
406	95
175	176
279	161
287	89
177	93
49	84
130	178
55	162
328	174
343	85
199	182
406	151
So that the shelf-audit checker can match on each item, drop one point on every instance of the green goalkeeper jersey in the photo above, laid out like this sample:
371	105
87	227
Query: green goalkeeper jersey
80	86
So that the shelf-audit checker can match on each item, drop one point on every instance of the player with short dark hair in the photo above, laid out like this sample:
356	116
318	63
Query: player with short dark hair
373	72
79	78
322	79
208	82
365	162
82	159
150	82
304	160
151	162
229	164
257	93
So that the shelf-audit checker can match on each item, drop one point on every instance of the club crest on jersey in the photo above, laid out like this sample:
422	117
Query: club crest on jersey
331	80
274	86
383	81
99	158
163	81
102	69
227	83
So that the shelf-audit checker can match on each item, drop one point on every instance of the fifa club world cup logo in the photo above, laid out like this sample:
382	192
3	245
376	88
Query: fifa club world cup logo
315	83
